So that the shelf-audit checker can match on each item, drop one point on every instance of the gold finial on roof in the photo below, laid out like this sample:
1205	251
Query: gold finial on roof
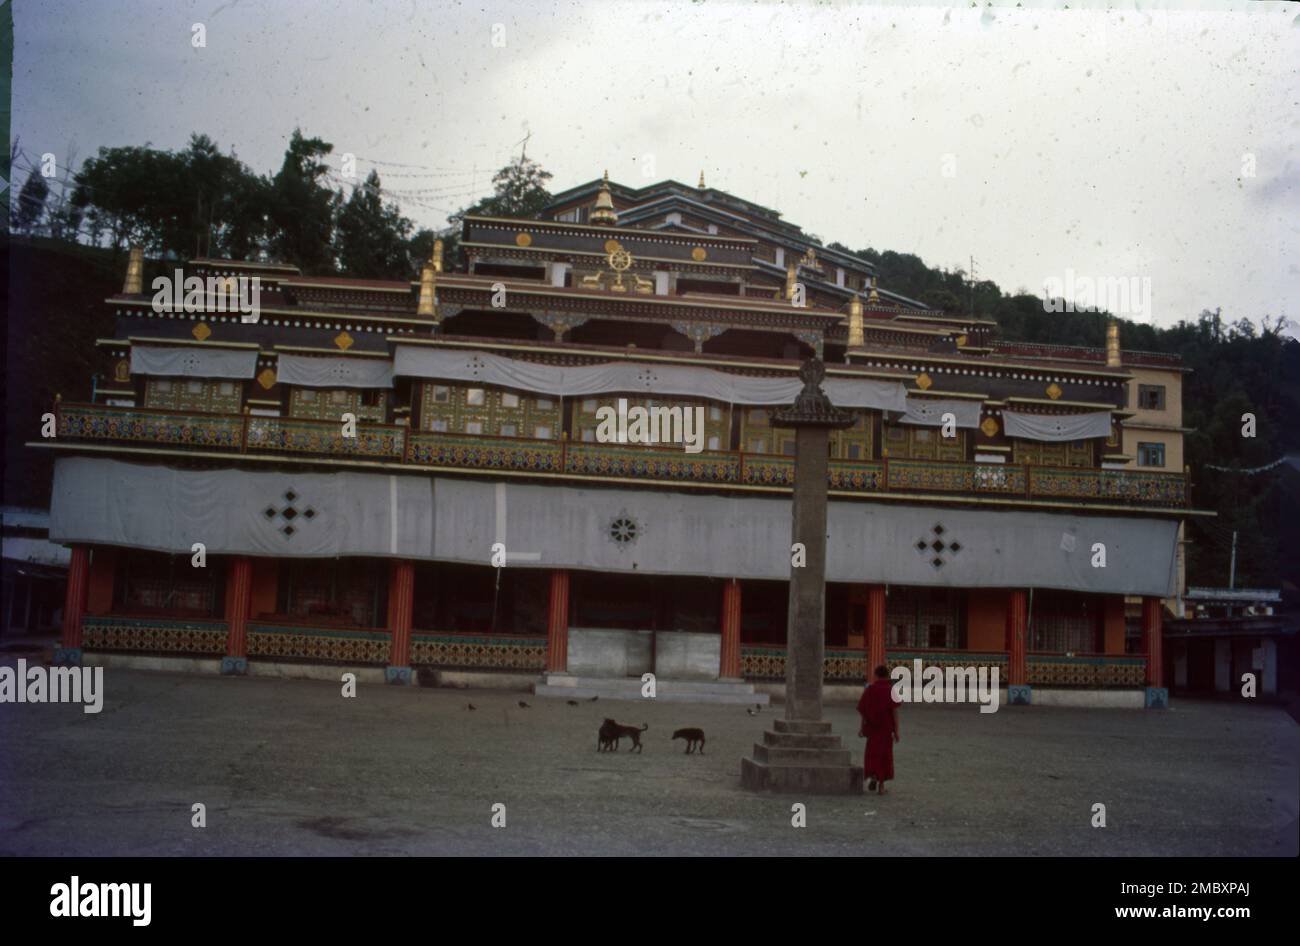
428	306
134	284
1112	344
436	259
873	297
701	179
603	214
855	322
790	278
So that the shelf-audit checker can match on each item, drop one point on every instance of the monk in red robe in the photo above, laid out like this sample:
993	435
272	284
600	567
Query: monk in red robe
879	714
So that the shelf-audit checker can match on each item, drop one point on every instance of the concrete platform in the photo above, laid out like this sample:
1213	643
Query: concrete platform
802	757
571	687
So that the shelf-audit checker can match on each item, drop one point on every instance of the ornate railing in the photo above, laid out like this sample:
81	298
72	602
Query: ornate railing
151	635
582	460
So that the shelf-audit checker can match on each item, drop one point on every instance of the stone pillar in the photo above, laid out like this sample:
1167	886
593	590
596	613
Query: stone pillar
239	593
1018	688
875	630
401	603
729	662
68	653
800	753
1157	696
557	625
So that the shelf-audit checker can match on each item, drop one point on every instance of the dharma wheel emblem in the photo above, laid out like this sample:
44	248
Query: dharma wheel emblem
624	530
619	259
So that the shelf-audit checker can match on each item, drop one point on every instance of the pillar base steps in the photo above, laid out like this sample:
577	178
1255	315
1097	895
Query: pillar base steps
798	756
666	691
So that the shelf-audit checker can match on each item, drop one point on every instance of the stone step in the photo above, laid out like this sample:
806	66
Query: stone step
808	726
666	691
801	740
803	779
785	755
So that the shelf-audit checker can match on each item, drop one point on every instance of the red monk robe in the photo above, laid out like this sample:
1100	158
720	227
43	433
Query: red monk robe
879	715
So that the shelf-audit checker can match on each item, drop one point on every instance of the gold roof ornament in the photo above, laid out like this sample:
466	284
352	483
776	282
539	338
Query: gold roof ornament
603	214
701	184
428	306
790	279
436	260
873	297
856	339
1112	344
134	283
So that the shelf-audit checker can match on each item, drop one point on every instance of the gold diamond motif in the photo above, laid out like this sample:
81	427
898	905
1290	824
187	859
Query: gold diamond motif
1053	391
201	331
523	239
923	381
343	340
990	427
266	378
699	254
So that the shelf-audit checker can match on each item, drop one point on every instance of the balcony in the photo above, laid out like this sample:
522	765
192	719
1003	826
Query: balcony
394	443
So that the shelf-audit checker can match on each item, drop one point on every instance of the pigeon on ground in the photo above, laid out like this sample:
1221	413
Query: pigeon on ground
758	707
523	705
750	712
593	699
573	702
470	706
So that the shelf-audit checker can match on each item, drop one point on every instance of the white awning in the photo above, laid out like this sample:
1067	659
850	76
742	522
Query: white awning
629	377
1056	427
311	372
929	412
188	362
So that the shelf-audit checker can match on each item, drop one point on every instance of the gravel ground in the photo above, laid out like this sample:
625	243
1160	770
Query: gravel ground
291	767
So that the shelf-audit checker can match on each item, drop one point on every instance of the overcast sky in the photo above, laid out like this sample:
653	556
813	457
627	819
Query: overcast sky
1038	140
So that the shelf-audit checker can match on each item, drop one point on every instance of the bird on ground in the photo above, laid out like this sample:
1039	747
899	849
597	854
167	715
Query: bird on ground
758	707
470	706
573	702
523	705
750	712
593	699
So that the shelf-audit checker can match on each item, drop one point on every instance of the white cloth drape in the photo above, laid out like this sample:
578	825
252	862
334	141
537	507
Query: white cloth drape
929	412
1056	427
630	377
188	362
335	372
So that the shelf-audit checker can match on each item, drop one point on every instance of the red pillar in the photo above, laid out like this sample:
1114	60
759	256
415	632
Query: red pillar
557	625
729	662
239	592
1152	640
74	605
401	605
1017	620
875	630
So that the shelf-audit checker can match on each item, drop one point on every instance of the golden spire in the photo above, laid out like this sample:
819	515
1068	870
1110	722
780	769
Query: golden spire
855	322
1112	344
436	260
603	214
873	297
134	284
701	179
790	277
428	307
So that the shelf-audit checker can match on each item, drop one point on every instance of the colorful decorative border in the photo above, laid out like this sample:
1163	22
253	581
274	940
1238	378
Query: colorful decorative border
538	456
91	422
479	652
315	643
153	635
297	435
1093	671
667	464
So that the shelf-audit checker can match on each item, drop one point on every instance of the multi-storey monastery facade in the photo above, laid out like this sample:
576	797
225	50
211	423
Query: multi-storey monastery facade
409	475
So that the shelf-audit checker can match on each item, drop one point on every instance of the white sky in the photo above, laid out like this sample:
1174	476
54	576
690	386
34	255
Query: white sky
1107	142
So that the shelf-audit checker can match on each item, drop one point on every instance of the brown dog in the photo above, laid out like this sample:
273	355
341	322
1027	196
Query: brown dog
611	734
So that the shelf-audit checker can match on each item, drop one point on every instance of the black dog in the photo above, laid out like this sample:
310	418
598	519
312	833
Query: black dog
694	738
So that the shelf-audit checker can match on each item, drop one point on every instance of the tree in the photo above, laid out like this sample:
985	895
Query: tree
30	206
519	190
370	236
302	209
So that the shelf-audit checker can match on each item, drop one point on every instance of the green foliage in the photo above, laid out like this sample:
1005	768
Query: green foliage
371	237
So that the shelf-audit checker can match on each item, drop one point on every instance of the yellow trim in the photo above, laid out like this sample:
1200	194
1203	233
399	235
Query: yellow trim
562	251
405	290
133	339
1039	400
1032	369
291	349
957	394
